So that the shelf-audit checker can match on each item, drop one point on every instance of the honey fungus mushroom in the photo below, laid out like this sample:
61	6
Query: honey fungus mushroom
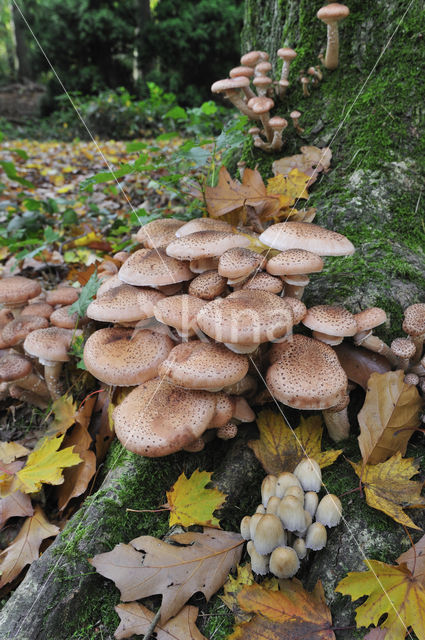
16	291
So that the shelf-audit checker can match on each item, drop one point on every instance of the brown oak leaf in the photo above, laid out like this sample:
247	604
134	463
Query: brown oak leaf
136	619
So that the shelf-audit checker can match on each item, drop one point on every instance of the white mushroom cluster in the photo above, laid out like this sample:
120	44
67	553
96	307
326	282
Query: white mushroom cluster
290	521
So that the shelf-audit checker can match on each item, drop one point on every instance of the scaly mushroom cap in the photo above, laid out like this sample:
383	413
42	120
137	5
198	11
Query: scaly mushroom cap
17	330
263	281
62	318
286	53
17	290
207	285
41	309
305	235
157	418
298	309
159	233
260	104
294	262
62	295
402	347
333	12
49	345
13	366
180	312
153	268
125	357
205	244
107	284
239	262
369	319
229	84
124	304
330	320
246	317
307	375
414	319
203	224
201	365
224	407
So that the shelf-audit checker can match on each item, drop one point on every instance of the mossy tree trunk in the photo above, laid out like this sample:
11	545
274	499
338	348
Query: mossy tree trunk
370	111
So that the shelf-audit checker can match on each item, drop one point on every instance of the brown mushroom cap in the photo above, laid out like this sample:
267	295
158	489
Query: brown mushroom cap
157	418
62	295
108	283
205	244
402	347
153	268
203	224
241	71
18	329
277	123
331	320
307	375
124	357
251	58
229	84
305	235
246	317
414	319
180	312
207	285
17	290
62	318
124	304
294	262
369	319
41	309
298	308
286	53
224	409
333	12
263	281
13	366
159	233
260	104
239	262
49	345
202	365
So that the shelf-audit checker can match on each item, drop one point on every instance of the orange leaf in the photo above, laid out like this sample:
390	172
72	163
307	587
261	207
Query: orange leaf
76	479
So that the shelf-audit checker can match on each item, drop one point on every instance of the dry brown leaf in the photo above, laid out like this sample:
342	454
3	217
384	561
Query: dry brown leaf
230	195
102	426
310	161
414	558
279	448
64	409
292	612
176	572
233	586
136	619
24	549
76	479
9	451
389	489
388	417
84	412
359	363
15	504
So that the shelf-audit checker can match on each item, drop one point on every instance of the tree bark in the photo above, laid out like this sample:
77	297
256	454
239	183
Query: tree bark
24	67
369	112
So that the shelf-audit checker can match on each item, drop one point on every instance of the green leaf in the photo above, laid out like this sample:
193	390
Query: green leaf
10	170
87	294
176	113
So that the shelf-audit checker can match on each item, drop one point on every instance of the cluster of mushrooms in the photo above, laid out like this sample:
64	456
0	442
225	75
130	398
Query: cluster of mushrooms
256	100
281	532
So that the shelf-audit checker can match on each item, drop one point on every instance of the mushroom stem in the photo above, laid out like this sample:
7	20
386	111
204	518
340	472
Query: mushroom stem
52	371
337	424
418	341
235	98
332	48
375	344
265	118
276	143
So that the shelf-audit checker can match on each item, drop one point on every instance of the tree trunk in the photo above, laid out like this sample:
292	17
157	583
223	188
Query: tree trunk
24	67
370	111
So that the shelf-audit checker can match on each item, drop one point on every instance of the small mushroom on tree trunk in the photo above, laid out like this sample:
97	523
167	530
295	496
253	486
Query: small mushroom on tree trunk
231	89
331	14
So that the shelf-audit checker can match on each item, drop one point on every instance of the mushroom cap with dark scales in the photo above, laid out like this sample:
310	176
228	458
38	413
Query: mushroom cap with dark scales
153	268
205	244
307	375
203	224
239	262
50	345
298	308
208	285
42	309
331	320
158	233
157	418
13	366
62	296
403	348
18	290
263	281
202	365
305	235
414	319
369	318
124	304
294	261
246	317
125	357
62	318
180	312
17	330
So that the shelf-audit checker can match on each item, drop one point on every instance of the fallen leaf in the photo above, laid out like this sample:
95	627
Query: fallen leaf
8	481
15	504
77	478
287	614
233	586
359	363
9	451
25	548
84	413
176	572
376	634
63	409
310	161
388	487
102	425
191	503
391	590
230	195
136	619
414	558
388	417
281	448
292	186
45	464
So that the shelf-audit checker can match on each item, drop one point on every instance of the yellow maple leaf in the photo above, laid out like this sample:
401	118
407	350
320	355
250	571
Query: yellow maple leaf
279	448
233	586
391	590
45	464
293	186
191	503
64	410
388	487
